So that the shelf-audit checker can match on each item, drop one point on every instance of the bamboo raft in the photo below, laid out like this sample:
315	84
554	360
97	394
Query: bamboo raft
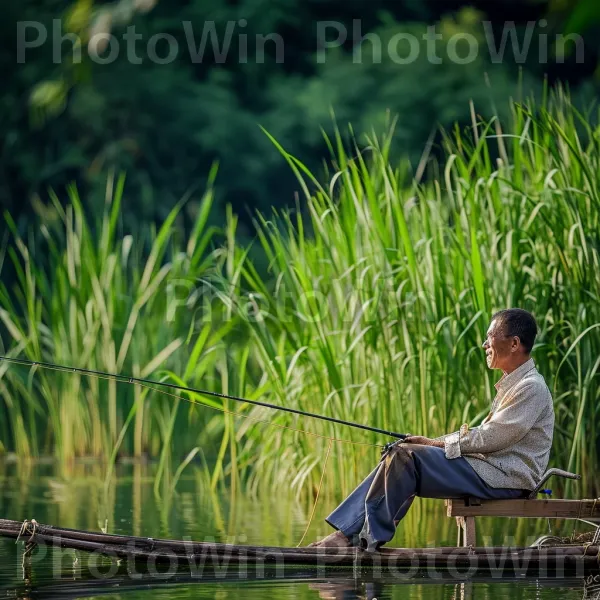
539	561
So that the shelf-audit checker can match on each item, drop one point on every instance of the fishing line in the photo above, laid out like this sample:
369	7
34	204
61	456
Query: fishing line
323	468
314	508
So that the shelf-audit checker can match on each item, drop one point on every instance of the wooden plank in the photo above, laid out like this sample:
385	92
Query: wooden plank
553	509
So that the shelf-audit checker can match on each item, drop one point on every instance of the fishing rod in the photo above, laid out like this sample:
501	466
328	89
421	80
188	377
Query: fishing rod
129	379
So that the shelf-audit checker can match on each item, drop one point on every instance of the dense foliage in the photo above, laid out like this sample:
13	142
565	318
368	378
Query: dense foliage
167	124
373	309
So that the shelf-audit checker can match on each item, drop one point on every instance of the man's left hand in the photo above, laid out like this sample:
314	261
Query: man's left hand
423	441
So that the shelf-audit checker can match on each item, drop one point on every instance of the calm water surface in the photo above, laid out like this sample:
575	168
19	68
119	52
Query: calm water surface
78	498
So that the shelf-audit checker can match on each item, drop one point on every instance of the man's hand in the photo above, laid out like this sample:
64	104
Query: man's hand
423	441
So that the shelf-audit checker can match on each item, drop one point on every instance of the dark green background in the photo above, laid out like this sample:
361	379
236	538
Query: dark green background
166	124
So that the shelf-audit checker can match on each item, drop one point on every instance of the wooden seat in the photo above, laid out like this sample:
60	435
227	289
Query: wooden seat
465	510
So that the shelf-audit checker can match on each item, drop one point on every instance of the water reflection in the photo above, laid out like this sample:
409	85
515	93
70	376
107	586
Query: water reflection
331	590
59	574
465	590
305	584
80	497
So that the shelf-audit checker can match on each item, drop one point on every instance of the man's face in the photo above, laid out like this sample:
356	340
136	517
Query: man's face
497	347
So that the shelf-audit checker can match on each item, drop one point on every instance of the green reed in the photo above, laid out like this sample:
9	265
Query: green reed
87	297
377	296
381	290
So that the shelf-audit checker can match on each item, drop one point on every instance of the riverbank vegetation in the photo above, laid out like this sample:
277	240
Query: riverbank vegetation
378	292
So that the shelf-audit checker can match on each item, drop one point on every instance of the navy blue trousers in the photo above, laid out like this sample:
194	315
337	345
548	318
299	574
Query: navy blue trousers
378	504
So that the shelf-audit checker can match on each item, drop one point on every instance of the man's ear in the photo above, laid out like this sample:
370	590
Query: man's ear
515	344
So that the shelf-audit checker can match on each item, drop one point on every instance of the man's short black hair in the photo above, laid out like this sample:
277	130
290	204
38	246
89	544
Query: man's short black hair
520	323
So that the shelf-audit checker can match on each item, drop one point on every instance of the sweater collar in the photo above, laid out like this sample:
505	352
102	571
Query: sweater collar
510	379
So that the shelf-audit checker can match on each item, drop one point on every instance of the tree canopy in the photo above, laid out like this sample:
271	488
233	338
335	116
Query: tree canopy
68	120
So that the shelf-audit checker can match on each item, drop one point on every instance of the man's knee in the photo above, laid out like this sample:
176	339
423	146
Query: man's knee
410	449
408	452
402	453
401	462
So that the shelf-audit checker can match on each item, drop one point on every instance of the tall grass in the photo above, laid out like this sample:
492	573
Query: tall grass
86	297
379	290
380	293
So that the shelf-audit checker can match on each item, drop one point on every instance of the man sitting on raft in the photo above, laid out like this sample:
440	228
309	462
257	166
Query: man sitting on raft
504	457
